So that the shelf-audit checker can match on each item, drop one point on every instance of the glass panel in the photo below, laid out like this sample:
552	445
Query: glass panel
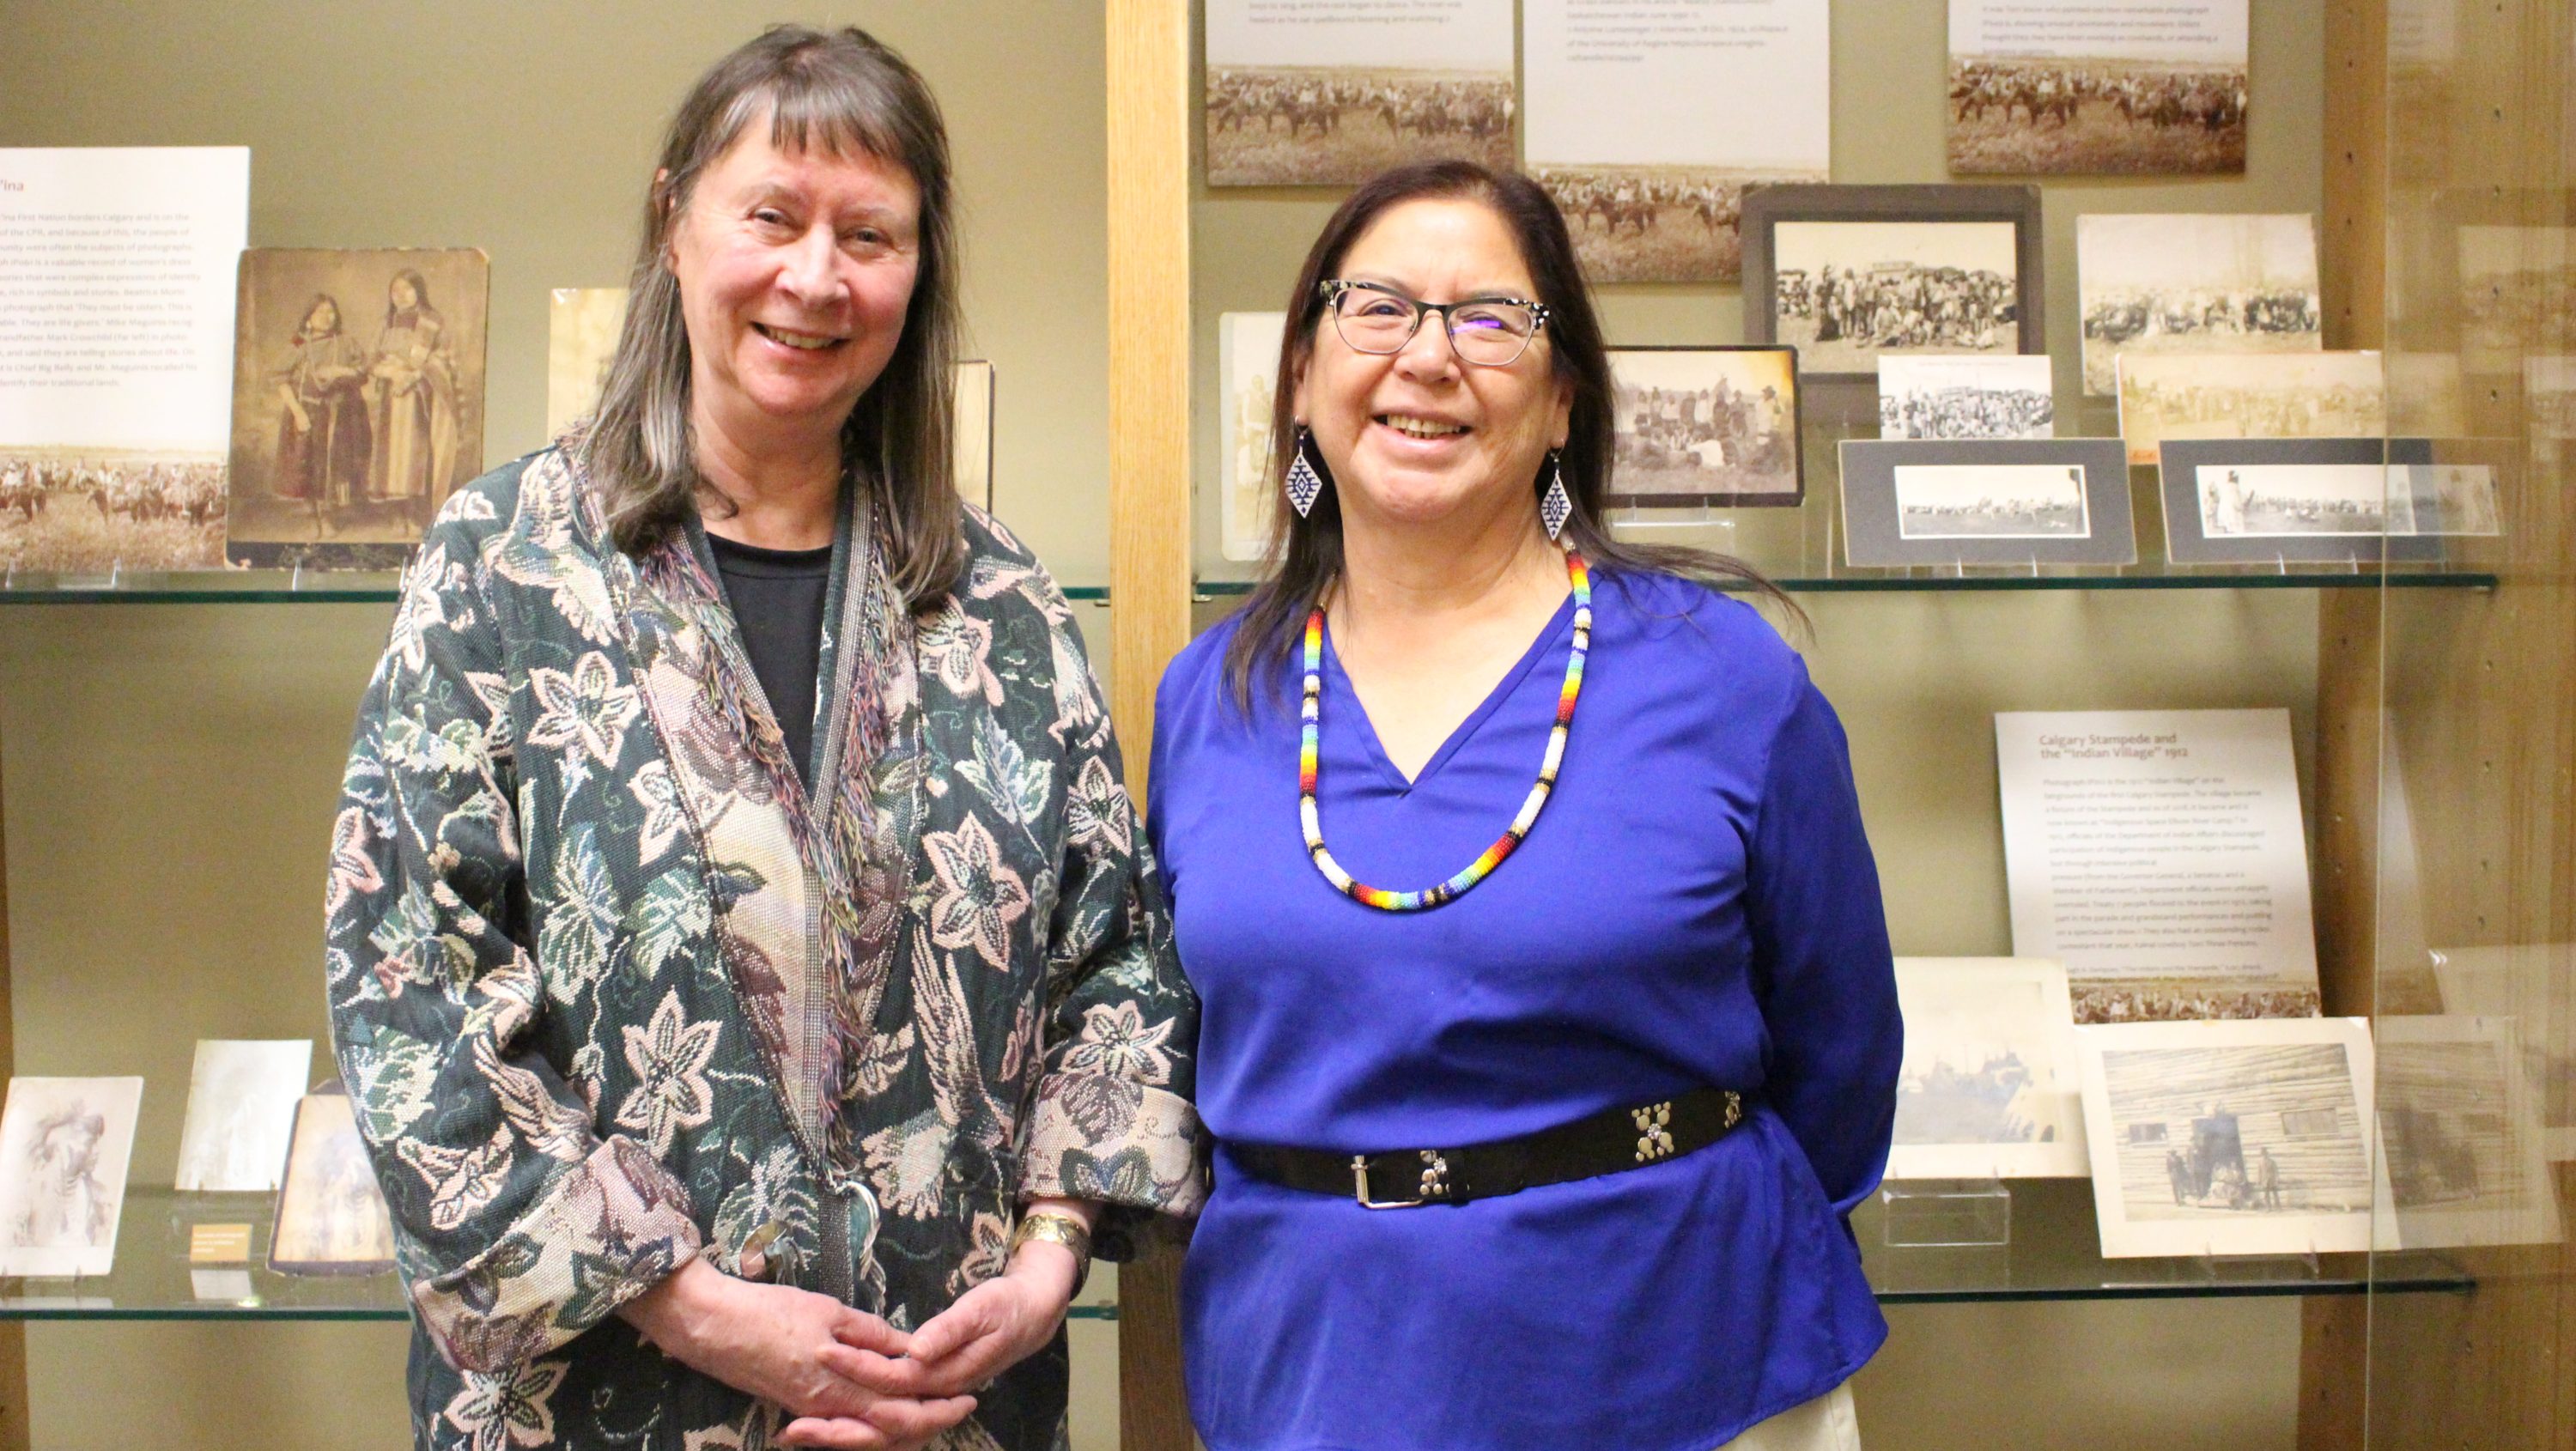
2472	971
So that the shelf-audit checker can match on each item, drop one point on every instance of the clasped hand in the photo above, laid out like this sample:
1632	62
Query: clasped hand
853	1382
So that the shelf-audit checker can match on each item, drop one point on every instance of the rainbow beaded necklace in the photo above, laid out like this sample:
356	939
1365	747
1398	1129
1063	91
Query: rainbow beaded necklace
1310	713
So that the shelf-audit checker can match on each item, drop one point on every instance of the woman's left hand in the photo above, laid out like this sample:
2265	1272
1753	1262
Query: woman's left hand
997	1324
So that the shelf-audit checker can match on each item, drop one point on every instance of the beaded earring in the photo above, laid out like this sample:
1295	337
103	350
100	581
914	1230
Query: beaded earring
1555	506
1305	481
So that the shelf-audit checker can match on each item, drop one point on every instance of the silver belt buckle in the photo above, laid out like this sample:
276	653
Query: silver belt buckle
1434	1184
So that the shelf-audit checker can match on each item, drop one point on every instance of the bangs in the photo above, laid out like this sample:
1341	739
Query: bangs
810	110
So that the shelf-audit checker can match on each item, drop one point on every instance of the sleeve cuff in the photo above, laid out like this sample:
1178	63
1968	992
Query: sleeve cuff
1119	1143
609	1228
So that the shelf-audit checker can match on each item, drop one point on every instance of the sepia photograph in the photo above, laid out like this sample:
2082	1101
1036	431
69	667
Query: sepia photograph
1954	502
2009	501
102	510
1845	292
331	1217
2448	498
2282	500
2204	284
241	1105
2236	1137
1342	124
1988	1085
2517	293
1247	345
357	401
2238	396
64	1147
1656	223
1936	395
581	336
2459	1118
1704	426
2088	87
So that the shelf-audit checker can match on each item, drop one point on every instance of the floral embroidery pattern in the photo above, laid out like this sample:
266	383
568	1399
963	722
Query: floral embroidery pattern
514	1408
979	896
1117	1042
669	1056
588	706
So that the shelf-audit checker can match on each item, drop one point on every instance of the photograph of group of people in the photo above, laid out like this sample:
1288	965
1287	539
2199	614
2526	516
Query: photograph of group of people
77	510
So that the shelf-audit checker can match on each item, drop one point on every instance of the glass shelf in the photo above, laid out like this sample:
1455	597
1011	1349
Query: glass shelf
153	1279
270	587
2055	1254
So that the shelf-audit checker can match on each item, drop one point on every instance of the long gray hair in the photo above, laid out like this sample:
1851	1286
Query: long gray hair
849	93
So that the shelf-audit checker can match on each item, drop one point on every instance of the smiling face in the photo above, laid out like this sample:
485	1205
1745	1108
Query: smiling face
795	271
1418	436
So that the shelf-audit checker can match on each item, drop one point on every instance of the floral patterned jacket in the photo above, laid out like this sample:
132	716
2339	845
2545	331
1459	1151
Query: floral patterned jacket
610	988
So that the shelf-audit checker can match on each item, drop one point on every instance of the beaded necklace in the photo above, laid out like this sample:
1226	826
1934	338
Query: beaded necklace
1310	713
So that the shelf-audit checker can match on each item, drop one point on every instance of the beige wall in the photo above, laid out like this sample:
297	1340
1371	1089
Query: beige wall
171	769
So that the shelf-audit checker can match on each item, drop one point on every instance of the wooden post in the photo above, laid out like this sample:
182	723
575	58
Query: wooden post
1149	533
14	1431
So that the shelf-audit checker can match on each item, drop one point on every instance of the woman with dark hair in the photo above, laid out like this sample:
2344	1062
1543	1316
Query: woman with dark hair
412	385
742	955
322	433
1522	879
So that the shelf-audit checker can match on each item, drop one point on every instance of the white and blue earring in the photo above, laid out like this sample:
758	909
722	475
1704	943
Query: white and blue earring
1305	481
1555	506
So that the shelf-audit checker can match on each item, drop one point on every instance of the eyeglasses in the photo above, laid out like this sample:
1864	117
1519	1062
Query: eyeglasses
1490	332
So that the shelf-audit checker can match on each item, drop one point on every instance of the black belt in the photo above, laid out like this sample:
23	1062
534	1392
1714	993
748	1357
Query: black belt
1604	1143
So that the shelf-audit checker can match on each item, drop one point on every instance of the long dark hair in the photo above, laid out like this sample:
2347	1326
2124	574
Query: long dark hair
1306	553
849	93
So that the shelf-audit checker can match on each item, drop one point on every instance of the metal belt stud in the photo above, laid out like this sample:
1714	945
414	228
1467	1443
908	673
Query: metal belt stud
1435	1175
1654	1131
1734	1108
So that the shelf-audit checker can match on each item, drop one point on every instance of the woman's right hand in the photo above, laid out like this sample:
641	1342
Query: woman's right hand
767	1340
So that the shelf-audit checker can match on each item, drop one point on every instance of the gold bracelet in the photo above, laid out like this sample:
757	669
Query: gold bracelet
1058	1227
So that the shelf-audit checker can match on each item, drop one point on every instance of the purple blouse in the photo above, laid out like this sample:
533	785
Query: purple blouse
1697	905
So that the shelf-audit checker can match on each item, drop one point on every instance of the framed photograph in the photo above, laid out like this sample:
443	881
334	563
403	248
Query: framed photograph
2459	1114
1247	352
241	1106
2288	395
1938	395
2524	983
357	401
65	1144
1989	1083
1985	501
2244	1136
1333	97
1716	426
2205	283
331	1217
2292	501
581	337
2084	87
1845	273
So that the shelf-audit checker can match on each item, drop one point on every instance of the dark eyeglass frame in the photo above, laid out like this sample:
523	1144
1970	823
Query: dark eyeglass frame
1333	289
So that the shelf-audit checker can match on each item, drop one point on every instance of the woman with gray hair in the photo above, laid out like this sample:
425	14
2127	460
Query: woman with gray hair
741	949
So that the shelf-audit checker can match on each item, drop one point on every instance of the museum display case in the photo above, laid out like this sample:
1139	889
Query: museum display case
167	771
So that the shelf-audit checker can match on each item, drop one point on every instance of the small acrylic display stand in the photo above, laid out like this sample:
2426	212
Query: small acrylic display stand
1946	1213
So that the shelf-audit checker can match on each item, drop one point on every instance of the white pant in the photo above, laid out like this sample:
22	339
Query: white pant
1827	1423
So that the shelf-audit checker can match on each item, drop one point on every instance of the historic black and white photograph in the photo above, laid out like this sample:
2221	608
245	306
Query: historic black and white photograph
1310	95
1655	223
2235	1137
2521	982
2167	396
1989	1083
331	1217
2202	283
1714	426
2083	87
2248	501
357	401
2448	498
97	510
241	1104
2008	501
1953	502
1845	292
2459	1118
2517	292
1935	395
64	1146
